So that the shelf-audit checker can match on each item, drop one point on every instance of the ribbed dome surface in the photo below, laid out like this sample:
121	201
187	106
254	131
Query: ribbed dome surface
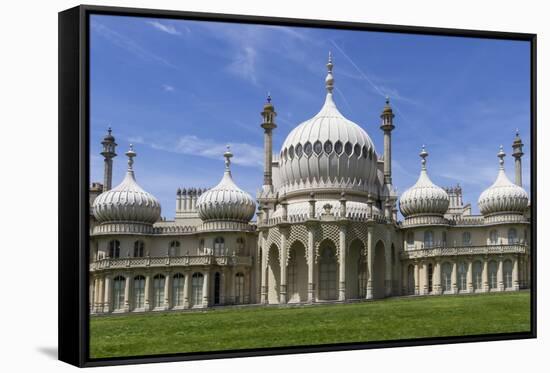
328	149
503	196
226	201
424	197
127	202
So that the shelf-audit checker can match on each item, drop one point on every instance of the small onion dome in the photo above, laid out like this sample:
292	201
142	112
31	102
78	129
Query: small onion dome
127	202
503	196
226	201
328	148
424	197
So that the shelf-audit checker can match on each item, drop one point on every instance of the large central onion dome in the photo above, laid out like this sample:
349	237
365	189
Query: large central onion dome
226	201
503	196
328	150
127	202
424	197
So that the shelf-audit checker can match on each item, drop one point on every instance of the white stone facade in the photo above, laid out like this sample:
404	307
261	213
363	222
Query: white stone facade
327	229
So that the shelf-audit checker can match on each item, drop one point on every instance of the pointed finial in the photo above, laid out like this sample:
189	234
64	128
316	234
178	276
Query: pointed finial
517	132
501	156
329	80
131	154
387	100
109	130
268	97
228	156
423	154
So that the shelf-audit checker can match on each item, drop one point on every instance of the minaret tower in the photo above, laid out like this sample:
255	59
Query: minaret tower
268	115
387	126
109	147
517	154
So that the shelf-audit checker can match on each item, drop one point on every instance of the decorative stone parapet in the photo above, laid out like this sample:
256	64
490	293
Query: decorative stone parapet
465	250
170	261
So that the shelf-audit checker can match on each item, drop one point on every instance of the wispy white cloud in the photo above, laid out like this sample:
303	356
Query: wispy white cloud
169	29
128	44
244	154
244	64
168	88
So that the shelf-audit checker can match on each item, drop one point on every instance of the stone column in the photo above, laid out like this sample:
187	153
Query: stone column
425	272
310	265
500	277
370	263
127	292
231	291
405	279
263	265
389	265
515	277
342	264
416	279
147	293
454	275
108	294
437	278
100	294
206	289
95	306
485	275
469	277
247	287
222	285
186	289
283	264
167	290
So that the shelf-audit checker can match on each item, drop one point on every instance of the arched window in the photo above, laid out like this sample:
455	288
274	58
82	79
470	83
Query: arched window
466	238
291	152
174	248
139	292
348	148
240	246
493	270
410	279
462	274
196	288
357	150
178	282
327	275
114	249
477	269
318	147
410	238
299	150
338	147
139	249
308	148
239	288
219	246
512	236
328	147
446	275
158	290
217	287
493	237
507	272
118	292
428	239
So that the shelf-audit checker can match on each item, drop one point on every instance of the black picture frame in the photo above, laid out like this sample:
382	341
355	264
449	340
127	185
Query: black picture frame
74	182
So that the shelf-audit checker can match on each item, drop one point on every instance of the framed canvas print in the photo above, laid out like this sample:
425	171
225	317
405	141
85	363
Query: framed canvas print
237	186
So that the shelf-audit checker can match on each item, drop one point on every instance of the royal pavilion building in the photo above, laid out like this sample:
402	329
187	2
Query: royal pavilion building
326	228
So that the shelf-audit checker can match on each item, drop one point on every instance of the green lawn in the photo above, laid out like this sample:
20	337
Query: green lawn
257	327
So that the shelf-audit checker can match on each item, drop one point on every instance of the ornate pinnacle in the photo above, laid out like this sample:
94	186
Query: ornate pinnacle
329	80
131	154
423	154
501	156
228	156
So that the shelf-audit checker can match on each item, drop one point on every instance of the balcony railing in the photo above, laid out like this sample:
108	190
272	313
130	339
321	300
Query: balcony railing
170	261
465	250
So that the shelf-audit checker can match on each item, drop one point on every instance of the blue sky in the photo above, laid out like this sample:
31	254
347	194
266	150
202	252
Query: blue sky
181	90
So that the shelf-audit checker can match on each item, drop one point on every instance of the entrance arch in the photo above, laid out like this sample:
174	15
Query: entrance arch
297	273
379	275
273	275
356	271
328	271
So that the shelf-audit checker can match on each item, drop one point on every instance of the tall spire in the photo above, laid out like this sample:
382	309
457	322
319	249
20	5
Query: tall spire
517	153
387	126
268	115
329	80
108	152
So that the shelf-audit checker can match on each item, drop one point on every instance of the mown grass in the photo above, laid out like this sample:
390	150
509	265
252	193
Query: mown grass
260	327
